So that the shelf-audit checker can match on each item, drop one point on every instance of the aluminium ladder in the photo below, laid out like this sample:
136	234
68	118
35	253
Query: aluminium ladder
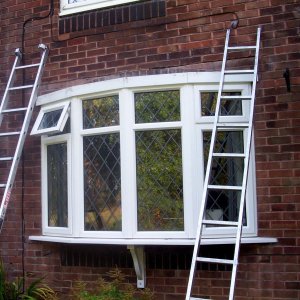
214	153
7	110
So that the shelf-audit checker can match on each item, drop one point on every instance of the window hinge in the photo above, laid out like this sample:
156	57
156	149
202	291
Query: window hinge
138	257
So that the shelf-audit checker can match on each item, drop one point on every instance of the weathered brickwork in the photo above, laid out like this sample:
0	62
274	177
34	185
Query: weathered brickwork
175	36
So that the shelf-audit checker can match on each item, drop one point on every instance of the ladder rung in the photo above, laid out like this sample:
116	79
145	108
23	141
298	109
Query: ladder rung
225	187
236	97
21	87
238	48
229	155
216	260
2	185
10	133
14	109
6	158
221	223
238	71
27	66
232	125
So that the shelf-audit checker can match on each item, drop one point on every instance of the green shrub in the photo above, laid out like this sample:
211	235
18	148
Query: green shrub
114	289
13	290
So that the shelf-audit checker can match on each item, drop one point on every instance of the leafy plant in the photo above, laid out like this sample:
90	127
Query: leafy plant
115	289
37	290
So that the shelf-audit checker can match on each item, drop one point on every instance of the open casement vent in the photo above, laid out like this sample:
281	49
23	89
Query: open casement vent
51	119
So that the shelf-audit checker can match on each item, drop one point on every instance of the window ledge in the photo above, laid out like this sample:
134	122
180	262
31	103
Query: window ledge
144	242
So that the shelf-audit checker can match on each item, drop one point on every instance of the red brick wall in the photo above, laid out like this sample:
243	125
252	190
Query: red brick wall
177	36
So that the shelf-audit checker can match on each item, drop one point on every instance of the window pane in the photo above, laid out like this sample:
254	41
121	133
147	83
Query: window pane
224	205
229	107
102	182
157	107
226	142
50	119
57	163
159	180
101	112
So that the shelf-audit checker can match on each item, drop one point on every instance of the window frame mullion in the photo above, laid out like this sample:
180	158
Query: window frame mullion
128	163
77	162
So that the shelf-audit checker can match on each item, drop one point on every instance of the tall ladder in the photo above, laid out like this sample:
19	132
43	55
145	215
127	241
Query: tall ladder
8	109
214	153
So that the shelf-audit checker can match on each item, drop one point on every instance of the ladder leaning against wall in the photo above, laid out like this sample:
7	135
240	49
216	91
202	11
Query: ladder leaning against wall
210	185
11	111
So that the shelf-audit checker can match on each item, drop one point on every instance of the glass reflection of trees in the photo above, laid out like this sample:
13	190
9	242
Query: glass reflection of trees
159	163
102	175
57	166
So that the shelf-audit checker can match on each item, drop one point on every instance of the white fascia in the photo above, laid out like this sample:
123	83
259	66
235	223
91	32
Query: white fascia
138	82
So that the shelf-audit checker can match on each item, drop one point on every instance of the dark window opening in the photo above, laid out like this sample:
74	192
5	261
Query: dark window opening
157	257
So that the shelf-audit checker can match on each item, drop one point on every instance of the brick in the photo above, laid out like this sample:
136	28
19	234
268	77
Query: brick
162	41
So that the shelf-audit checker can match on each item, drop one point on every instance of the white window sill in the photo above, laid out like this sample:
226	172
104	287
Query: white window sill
144	242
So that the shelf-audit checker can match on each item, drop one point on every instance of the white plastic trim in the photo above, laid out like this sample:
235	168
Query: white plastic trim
141	242
135	82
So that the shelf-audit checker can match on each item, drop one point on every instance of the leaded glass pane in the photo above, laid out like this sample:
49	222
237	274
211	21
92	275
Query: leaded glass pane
226	142
229	107
57	165
101	112
159	180
227	171
50	119
153	107
224	204
102	182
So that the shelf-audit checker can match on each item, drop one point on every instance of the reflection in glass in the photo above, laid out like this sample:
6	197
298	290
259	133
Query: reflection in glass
50	119
229	107
102	182
157	107
101	112
159	180
224	204
57	164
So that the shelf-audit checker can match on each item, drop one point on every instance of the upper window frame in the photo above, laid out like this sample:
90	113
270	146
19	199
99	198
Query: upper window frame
67	8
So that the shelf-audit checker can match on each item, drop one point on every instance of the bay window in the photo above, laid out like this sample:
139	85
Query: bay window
130	162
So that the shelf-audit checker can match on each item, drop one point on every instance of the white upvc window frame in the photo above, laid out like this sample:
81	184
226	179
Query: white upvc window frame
59	127
191	125
205	123
136	234
45	142
81	134
67	8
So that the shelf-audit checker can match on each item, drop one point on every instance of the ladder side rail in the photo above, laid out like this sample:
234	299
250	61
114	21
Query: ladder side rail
10	82
246	170
20	144
208	172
